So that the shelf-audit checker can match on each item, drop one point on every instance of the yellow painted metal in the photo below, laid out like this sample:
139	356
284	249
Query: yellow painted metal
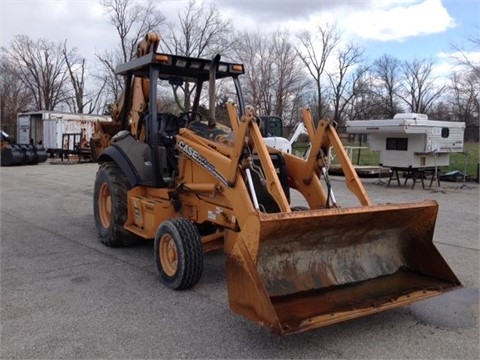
272	183
105	205
321	140
213	241
232	115
147	208
352	180
168	254
293	271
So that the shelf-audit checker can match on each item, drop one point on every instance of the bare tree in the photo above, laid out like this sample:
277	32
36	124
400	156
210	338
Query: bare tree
290	81
314	51
465	86
201	31
132	20
14	97
418	88
463	55
81	101
365	104
76	71
344	80
465	102
251	47
441	110
386	82
106	74
40	66
274	78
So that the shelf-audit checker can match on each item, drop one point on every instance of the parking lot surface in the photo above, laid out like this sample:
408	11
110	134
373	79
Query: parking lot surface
66	296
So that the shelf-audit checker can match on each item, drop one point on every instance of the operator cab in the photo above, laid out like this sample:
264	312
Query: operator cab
153	162
271	126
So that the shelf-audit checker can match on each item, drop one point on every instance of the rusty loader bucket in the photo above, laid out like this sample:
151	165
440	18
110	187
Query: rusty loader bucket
296	271
292	271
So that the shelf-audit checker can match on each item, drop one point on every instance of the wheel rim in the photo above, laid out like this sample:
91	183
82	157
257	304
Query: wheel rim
105	205
168	255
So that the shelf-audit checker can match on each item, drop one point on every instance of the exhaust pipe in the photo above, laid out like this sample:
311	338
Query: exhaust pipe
212	91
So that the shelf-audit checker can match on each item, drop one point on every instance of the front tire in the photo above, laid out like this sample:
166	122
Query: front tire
110	206
179	254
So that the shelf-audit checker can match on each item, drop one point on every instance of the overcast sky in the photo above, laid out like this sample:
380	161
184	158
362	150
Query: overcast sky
405	29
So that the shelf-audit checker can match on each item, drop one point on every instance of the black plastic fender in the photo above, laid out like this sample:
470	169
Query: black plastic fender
115	154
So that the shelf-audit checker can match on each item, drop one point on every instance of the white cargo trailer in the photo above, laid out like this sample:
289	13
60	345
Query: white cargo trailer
49	127
411	140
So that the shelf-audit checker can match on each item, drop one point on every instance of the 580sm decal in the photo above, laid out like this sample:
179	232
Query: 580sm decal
195	155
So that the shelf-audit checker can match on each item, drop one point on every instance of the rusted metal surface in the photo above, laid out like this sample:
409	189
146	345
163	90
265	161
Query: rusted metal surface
304	311
320	267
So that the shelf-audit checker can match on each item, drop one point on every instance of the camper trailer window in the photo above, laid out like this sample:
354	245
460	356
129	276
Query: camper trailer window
397	144
445	132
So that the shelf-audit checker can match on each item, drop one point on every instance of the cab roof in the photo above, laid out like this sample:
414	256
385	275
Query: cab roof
186	68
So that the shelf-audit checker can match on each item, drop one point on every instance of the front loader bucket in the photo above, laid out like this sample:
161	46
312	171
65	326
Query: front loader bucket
296	271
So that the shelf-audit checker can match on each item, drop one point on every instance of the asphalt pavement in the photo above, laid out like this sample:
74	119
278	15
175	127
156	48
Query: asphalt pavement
64	295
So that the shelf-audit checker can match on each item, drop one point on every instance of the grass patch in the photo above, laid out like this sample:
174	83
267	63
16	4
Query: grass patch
457	160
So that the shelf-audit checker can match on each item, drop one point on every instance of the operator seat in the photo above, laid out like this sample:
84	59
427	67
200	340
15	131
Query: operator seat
171	123
218	133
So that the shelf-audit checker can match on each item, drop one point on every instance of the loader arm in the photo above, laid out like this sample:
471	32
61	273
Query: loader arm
248	124
321	139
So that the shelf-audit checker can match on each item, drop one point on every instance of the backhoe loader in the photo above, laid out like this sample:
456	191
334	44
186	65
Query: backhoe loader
193	186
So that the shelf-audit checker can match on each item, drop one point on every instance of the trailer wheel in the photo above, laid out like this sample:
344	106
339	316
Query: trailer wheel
179	254
110	206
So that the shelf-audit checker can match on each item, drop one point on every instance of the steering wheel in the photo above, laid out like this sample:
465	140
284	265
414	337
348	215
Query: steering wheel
190	116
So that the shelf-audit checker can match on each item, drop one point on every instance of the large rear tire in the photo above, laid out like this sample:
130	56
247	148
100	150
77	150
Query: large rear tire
179	254
110	206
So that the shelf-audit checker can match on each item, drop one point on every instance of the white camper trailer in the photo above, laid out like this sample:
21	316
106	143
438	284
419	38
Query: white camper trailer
411	140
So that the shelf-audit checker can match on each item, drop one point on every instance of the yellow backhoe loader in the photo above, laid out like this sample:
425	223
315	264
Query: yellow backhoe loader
194	186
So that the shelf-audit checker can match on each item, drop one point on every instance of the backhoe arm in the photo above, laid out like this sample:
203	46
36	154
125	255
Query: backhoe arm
137	99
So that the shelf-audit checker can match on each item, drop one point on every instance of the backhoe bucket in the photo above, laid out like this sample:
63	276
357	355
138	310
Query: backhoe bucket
296	271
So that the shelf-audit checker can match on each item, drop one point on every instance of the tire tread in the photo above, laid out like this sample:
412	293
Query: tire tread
116	236
191	251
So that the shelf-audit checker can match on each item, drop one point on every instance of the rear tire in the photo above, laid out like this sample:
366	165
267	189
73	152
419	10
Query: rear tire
179	254
110	206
